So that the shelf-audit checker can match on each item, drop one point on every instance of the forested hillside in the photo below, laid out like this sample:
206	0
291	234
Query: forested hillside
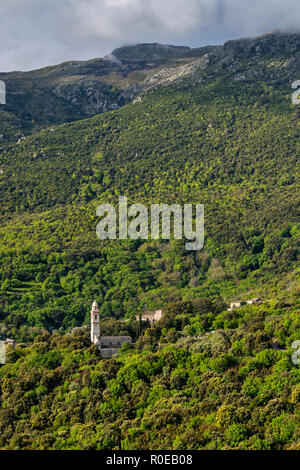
215	126
227	390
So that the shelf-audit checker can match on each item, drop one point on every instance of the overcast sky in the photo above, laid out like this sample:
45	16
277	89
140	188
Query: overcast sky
36	33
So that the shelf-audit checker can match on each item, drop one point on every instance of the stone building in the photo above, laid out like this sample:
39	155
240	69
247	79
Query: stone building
151	317
108	345
235	305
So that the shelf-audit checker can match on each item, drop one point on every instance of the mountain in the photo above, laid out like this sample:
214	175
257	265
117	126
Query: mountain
159	124
223	132
75	90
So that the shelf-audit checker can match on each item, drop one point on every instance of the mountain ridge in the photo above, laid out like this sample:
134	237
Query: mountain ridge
78	89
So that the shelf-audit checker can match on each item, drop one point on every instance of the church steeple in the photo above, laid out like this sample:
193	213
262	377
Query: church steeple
95	323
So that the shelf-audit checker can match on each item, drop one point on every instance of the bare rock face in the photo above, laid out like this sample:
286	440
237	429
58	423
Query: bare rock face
90	95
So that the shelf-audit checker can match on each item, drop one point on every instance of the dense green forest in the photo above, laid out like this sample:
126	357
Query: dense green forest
226	136
225	390
209	146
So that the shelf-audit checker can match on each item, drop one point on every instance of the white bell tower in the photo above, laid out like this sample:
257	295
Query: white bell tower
95	323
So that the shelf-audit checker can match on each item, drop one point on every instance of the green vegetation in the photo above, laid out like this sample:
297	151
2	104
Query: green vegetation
216	145
224	390
227	136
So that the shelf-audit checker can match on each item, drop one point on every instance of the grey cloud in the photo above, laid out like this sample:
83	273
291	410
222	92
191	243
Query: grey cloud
35	33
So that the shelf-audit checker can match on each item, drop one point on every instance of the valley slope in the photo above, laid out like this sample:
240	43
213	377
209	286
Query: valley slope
158	124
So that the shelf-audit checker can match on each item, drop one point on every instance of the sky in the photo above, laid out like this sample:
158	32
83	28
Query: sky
37	33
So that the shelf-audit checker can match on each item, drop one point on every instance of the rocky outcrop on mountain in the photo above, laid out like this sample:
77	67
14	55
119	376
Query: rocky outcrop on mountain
166	76
91	96
272	43
275	50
